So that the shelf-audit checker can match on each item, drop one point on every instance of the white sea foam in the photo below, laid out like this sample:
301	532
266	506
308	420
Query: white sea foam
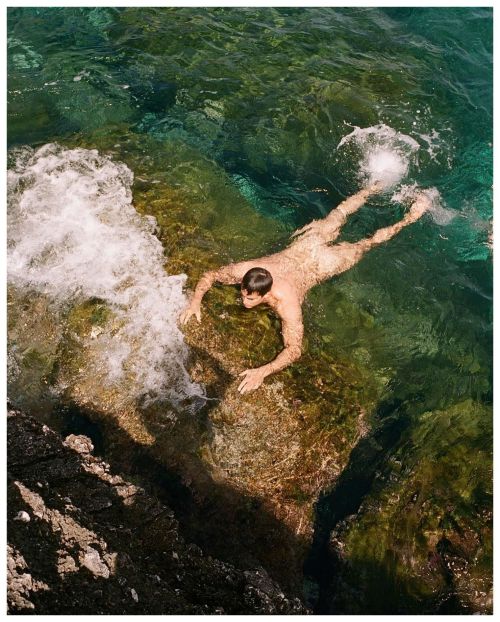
439	214
385	154
433	141
74	234
22	55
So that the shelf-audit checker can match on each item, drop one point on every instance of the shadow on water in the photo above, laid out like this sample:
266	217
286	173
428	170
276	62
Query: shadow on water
222	520
73	506
345	499
323	565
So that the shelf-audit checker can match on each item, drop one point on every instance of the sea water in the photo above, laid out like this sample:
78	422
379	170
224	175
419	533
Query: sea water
289	111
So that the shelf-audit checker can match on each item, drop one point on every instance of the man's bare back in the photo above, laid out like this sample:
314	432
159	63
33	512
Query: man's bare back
307	261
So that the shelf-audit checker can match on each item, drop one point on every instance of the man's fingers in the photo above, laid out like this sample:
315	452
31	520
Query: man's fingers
245	383
245	389
187	314
251	381
246	386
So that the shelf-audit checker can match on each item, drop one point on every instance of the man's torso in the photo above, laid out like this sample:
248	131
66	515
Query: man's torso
307	261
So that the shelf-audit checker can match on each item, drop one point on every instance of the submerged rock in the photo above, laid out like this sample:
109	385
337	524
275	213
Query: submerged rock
422	539
260	461
244	473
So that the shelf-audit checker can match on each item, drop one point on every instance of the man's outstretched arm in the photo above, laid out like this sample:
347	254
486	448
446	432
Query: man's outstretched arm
293	332
228	275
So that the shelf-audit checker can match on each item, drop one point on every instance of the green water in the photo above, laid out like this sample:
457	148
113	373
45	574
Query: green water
264	96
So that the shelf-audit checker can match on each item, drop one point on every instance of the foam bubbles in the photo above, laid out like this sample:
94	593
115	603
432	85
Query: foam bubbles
22	55
385	154
439	214
385	166
73	234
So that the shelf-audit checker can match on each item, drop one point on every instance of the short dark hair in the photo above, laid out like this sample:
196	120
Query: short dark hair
257	280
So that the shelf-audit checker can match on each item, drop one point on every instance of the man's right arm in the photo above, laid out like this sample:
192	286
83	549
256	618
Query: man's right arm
228	275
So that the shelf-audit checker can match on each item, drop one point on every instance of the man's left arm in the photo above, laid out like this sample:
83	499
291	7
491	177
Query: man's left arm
293	332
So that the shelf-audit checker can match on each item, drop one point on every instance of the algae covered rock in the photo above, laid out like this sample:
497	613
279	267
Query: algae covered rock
422	540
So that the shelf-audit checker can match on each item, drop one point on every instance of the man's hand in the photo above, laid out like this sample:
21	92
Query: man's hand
190	311
253	379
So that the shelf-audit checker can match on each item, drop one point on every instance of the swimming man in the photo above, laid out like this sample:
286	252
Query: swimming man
282	280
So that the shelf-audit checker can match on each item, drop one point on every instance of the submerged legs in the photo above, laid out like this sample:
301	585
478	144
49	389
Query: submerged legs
339	258
329	227
417	209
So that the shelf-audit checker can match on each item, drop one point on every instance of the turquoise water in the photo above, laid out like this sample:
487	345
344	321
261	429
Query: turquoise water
267	95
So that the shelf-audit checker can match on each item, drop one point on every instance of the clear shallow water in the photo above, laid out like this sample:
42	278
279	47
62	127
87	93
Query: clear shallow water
268	95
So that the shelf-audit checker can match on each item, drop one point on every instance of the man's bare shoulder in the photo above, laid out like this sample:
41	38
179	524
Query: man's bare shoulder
233	272
289	303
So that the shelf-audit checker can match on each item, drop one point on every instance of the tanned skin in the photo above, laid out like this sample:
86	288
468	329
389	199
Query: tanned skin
307	261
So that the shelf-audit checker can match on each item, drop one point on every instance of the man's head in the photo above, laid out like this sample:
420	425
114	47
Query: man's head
256	283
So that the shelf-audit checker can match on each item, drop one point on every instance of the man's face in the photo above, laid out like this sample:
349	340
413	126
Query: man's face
250	300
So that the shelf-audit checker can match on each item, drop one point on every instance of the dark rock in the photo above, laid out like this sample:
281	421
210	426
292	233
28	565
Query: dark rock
92	536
